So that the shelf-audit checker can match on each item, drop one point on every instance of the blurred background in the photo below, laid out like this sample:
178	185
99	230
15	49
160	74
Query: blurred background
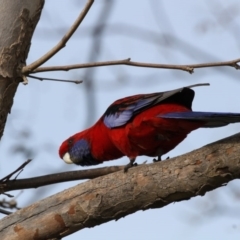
155	31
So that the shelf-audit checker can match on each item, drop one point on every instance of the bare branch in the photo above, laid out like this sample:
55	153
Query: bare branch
3	211
119	194
11	204
44	180
19	169
188	68
62	43
55	79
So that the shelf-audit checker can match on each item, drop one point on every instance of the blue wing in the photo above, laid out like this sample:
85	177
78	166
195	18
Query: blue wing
212	119
123	110
119	114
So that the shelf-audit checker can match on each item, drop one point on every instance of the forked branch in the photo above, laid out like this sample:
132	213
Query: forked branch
61	44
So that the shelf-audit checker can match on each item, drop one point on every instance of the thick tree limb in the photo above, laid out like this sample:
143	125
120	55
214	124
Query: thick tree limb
188	68
119	194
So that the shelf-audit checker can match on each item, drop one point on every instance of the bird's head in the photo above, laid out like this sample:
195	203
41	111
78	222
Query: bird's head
77	149
64	150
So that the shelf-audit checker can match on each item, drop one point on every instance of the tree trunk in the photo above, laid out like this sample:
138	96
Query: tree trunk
18	20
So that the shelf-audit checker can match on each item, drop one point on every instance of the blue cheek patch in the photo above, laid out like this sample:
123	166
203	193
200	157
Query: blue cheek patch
80	148
80	154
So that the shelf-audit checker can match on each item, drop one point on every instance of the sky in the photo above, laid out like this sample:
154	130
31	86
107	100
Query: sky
175	32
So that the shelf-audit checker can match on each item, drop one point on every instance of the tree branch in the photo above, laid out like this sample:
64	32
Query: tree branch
19	169
188	68
11	204
116	195
62	43
3	211
55	79
44	180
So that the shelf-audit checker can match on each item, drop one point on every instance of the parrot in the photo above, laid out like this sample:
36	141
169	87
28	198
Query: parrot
144	124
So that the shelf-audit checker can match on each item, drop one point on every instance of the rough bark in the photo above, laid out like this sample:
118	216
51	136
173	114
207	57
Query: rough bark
18	20
118	194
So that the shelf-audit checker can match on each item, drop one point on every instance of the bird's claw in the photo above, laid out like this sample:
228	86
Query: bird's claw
159	159
129	165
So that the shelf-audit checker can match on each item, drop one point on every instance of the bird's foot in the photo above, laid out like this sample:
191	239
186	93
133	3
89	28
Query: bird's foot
159	159
129	165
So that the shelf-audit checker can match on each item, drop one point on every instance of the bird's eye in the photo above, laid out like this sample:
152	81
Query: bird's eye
70	141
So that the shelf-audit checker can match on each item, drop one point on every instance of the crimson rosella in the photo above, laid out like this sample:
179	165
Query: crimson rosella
145	124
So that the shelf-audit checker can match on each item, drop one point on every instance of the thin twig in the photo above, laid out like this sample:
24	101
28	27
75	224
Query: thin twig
62	43
6	194
55	79
11	204
19	169
188	68
3	211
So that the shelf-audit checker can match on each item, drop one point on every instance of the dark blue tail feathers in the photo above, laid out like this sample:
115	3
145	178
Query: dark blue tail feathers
212	119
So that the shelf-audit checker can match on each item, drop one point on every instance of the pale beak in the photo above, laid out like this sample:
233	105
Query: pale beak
67	159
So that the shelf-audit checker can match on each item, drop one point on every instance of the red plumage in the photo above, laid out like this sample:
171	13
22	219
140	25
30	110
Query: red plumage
146	124
151	136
